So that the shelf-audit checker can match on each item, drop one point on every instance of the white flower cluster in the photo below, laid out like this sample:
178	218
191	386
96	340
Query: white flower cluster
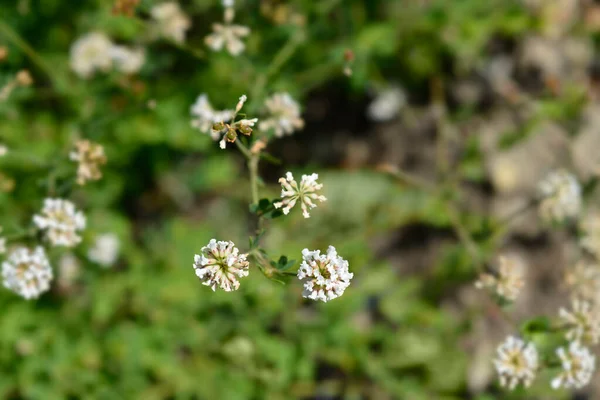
387	104
61	221
284	115
325	276
582	322
508	281
560	195
205	116
305	193
89	156
95	52
220	264
3	150
228	35
584	280
171	22
516	362
27	272
578	365
105	250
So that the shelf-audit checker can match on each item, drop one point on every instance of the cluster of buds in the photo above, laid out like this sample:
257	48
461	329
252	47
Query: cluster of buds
229	131
90	157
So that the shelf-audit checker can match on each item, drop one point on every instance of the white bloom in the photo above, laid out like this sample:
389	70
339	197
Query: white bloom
90	157
228	3
27	272
228	36
560	194
61	221
240	104
91	53
590	229
171	22
387	104
584	280
516	362
3	150
508	281
205	116
220	264
68	271
582	323
284	115
578	365
105	250
126	60
325	277
305	193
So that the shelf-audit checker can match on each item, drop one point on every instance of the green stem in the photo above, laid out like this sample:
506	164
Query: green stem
252	161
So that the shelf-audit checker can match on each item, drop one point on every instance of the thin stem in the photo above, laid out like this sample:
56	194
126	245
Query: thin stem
253	169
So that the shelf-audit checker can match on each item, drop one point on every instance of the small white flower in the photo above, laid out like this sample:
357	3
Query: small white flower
325	276
228	36
240	103
291	192
516	362
126	60
68	271
205	116
61	221
91	53
220	264
26	272
171	22
578	365
560	195
105	250
584	280
3	150
508	281
90	157
228	3
387	104
582	323
284	115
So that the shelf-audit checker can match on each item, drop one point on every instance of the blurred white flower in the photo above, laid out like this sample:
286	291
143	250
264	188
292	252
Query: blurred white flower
584	280
578	365
291	192
284	115
325	276
126	60
590	229
61	221
516	362
387	104
3	150
220	264
26	272
105	249
560	195
228	36
90	157
91	53
508	280
68	271
204	116
582	323
171	21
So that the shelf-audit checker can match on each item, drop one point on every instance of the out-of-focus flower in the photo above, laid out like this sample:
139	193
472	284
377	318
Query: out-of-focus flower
171	21
284	115
508	280
584	280
24	78
582	323
560	195
228	36
68	271
325	276
61	221
387	104
90	157
27	272
590	228
126	60
105	249
205	116
220	264
578	365
305	193
516	362
3	150
91	53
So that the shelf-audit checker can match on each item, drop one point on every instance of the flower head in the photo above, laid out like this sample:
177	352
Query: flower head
560	194
105	250
291	192
578	365
284	115
584	280
508	281
90	157
325	276
516	362
91	53
27	272
205	116
3	150
171	22
126	60
61	221
228	36
582	323
220	264
387	104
